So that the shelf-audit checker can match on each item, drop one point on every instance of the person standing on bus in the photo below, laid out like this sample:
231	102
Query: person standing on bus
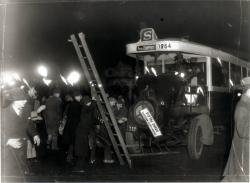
237	167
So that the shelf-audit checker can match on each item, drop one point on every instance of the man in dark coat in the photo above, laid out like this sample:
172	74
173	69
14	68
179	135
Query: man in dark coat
73	118
53	116
237	168
15	128
84	127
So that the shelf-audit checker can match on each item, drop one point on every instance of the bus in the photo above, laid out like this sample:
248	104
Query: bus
183	91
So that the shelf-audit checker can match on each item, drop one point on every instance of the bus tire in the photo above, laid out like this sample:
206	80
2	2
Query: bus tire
130	140
195	145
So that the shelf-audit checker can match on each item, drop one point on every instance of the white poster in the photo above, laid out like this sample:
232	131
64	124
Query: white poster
155	130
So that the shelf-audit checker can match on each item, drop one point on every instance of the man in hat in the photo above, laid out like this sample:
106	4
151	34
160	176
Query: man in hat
84	127
53	116
237	167
15	128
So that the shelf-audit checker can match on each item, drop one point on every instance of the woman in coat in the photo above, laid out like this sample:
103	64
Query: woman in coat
237	168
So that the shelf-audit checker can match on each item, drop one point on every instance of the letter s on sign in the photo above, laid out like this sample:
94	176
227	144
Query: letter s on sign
147	35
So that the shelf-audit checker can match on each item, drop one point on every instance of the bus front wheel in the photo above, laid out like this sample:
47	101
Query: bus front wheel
195	145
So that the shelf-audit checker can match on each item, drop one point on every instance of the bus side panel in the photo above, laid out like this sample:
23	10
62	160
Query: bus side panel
222	115
220	108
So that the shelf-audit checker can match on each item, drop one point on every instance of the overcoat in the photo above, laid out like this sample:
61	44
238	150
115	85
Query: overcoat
53	114
237	167
15	125
84	127
73	118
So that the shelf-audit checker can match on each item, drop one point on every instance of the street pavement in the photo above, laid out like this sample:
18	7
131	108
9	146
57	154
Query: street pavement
173	167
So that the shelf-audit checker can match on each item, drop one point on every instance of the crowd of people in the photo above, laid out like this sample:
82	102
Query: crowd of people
71	124
35	125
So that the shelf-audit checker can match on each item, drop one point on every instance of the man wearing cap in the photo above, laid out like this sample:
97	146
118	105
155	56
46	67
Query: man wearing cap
237	167
53	116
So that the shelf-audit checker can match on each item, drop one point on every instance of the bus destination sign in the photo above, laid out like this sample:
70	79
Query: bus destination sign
146	48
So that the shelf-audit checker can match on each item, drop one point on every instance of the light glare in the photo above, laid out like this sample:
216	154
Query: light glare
42	70
63	79
47	81
154	71
182	75
73	77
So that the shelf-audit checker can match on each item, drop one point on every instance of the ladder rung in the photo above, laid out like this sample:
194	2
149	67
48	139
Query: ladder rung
80	46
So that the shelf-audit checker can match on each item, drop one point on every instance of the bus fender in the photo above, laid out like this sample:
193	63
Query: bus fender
207	129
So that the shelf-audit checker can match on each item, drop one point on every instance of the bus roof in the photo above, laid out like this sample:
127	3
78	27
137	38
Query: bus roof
149	43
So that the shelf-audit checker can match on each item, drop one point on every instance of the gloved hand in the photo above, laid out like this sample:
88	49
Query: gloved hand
61	129
36	140
15	143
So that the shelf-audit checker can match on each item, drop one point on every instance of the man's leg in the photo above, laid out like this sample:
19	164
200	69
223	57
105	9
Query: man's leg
15	162
70	156
92	147
54	144
81	150
107	154
49	140
20	157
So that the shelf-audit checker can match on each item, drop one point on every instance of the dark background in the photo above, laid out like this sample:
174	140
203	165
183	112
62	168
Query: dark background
37	31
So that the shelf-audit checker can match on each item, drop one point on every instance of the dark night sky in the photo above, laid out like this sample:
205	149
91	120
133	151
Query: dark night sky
38	32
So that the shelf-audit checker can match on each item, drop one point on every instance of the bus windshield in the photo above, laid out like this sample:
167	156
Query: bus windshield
183	65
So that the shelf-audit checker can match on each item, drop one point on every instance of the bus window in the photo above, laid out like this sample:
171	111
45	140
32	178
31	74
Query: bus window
219	73
199	73
155	67
171	68
244	72
235	74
